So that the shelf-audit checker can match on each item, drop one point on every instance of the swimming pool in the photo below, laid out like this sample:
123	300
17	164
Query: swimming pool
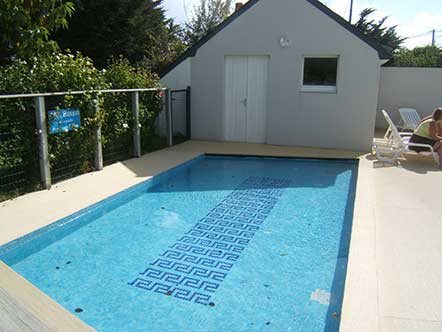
216	244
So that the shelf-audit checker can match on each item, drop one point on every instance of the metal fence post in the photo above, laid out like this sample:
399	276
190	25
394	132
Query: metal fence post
136	116
98	155
169	117
188	114
40	116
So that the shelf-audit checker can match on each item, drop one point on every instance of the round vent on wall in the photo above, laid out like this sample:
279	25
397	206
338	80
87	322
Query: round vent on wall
284	42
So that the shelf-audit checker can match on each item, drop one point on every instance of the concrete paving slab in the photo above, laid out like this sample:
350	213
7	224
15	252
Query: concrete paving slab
406	325
409	252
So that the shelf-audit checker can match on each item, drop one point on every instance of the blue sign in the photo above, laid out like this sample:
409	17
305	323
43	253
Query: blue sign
61	121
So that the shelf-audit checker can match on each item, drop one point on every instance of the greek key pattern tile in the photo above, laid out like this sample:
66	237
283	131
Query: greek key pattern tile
194	267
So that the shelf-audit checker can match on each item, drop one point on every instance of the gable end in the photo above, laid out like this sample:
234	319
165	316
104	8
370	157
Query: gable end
191	52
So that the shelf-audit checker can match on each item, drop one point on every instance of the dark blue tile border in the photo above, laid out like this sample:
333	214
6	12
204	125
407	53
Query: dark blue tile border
305	159
194	267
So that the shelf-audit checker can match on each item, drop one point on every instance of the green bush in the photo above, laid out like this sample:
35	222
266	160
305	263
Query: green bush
118	125
426	56
72	152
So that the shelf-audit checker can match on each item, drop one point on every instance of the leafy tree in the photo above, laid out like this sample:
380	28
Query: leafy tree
426	56
136	29
206	16
385	36
26	26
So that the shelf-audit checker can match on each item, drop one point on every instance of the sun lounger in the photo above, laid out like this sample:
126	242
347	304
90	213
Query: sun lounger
410	118
391	148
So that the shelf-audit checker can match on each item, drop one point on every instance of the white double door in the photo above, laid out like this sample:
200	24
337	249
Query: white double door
245	98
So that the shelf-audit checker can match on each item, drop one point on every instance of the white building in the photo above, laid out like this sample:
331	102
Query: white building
284	72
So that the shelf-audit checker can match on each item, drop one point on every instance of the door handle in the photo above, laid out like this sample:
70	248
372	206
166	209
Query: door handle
244	102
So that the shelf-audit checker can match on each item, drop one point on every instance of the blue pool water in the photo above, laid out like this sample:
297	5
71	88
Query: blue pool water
218	244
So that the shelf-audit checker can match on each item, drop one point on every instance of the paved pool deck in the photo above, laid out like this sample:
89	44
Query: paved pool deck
394	272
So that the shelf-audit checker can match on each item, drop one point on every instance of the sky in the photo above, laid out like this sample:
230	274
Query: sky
413	17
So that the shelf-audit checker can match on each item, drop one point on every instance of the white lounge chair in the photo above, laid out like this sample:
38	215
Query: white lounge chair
390	148
410	118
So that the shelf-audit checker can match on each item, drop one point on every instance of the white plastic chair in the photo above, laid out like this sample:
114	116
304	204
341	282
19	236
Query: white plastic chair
410	118
397	144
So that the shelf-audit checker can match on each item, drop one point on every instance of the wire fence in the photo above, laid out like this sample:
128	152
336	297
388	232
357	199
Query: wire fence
117	128
18	149
125	117
71	153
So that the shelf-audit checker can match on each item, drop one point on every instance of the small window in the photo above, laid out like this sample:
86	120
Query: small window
320	74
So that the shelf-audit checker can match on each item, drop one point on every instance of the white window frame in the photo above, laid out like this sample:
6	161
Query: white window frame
320	88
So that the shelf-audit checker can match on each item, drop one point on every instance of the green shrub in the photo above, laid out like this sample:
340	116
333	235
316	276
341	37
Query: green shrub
118	124
426	56
72	152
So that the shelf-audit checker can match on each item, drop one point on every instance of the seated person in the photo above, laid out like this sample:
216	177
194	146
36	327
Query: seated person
428	132
438	127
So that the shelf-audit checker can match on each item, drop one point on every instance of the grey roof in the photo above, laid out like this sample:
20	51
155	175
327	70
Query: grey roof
190	52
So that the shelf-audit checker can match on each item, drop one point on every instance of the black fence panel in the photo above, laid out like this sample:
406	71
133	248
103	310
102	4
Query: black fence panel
180	109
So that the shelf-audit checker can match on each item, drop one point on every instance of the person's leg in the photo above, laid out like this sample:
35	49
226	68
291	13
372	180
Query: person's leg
438	148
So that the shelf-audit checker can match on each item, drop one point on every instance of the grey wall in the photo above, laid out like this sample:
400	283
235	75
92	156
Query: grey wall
179	77
419	88
342	120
